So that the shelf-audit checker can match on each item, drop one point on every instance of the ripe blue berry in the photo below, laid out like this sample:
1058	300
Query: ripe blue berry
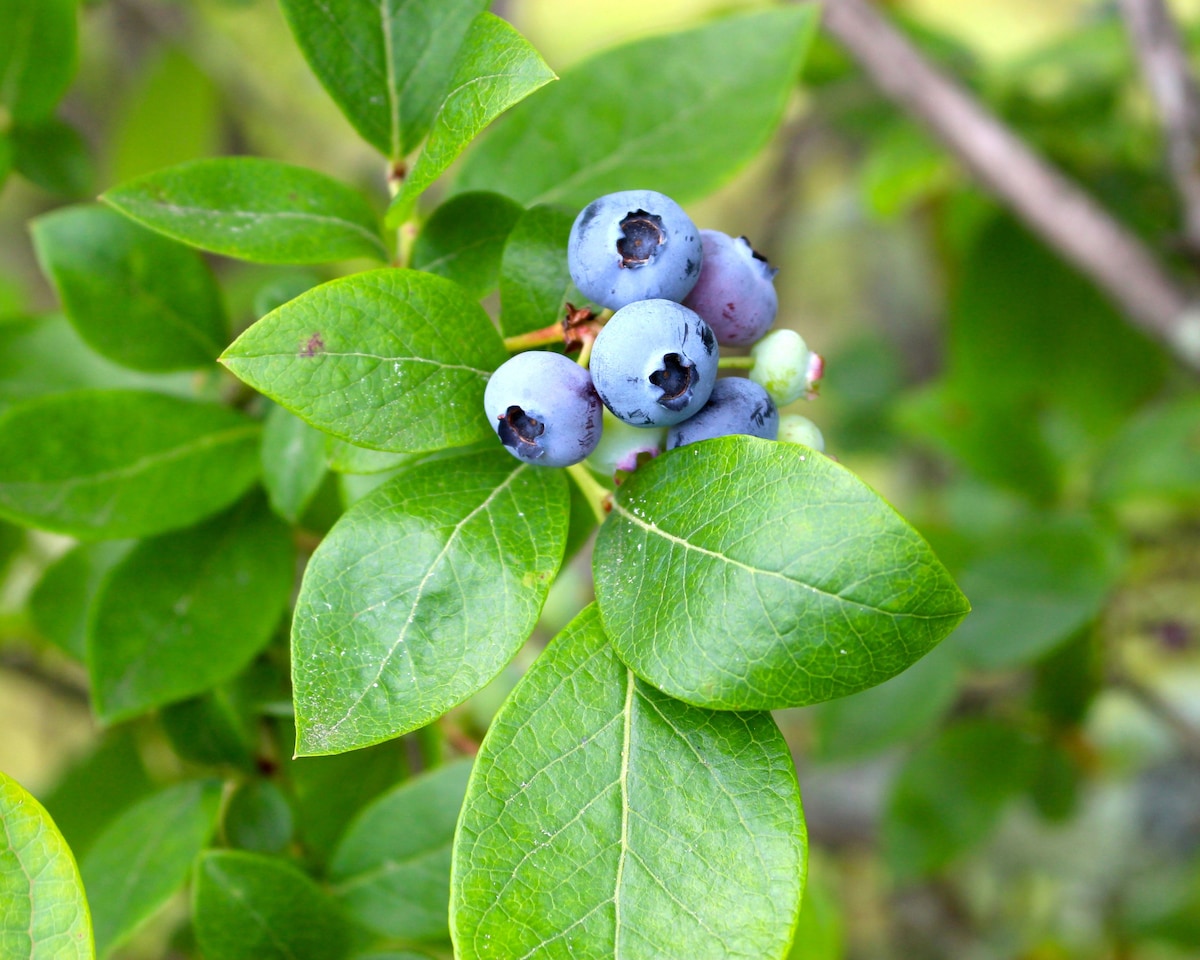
654	363
633	245
737	405
544	409
736	291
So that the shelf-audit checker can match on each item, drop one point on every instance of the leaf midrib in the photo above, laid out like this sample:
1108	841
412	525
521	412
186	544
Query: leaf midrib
419	593
651	528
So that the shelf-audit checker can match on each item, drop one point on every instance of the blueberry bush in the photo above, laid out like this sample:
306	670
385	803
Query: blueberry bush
443	549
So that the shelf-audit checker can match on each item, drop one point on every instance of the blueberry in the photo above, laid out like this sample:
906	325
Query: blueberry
736	291
797	429
654	363
785	366
737	405
633	245
544	409
621	445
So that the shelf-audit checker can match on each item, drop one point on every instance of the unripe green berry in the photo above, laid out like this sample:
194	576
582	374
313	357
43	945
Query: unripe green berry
784	366
794	428
621	444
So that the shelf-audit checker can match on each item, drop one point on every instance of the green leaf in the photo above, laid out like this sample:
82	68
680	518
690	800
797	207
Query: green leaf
61	603
344	457
97	788
253	209
121	463
12	539
1155	457
174	115
259	818
37	56
391	870
387	63
1034	587
420	595
188	610
329	791
628	117
144	855
43	910
819	933
293	460
903	167
464	239
1029	332
896	711
1000	441
606	819
220	727
42	355
135	296
534	279
250	907
950	793
52	155
389	359
497	67
747	574
216	728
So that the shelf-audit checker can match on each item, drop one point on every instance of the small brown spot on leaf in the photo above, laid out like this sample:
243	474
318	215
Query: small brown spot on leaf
314	346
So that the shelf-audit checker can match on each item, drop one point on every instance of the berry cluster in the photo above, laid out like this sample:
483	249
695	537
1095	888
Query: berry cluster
678	294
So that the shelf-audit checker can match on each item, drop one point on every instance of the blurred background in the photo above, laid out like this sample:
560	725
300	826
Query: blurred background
1031	789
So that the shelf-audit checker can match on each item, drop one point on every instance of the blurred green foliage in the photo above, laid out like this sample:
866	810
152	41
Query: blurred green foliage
1027	790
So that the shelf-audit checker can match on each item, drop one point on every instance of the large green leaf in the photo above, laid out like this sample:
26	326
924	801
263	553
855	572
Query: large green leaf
144	855
43	910
134	296
496	68
391	870
188	610
606	819
534	279
387	63
464	239
121	463
747	574
250	907
420	595
41	355
388	359
677	113
253	209
1034	587
37	56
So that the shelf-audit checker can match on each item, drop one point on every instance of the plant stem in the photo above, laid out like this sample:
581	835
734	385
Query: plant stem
593	491
535	338
735	363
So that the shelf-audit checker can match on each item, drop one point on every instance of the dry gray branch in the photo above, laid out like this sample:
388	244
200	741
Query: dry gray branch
1055	208
1168	74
